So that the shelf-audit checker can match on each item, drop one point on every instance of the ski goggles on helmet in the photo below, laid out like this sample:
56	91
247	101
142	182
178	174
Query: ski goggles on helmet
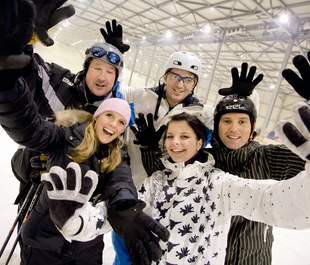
101	53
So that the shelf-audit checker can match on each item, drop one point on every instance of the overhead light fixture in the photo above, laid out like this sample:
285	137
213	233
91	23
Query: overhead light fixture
143	38
206	29
172	19
284	18
168	34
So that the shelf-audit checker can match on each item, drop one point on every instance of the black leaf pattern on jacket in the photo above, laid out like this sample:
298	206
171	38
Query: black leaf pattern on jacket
188	208
183	253
186	229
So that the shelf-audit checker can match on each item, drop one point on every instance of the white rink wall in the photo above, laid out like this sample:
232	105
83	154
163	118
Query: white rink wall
290	247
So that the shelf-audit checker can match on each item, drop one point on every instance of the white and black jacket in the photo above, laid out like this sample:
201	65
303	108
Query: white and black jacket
196	202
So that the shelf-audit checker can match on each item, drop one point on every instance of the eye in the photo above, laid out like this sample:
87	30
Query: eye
121	122
108	114
184	137
169	137
243	121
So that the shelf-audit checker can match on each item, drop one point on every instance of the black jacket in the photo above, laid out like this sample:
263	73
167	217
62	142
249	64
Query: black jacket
53	88
19	117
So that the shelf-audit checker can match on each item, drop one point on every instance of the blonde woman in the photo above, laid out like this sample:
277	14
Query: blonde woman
93	141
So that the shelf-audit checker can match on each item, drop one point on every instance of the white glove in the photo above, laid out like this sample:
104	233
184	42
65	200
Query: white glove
297	137
68	191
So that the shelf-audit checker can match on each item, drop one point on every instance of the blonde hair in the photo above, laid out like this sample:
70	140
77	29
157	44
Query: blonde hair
89	146
90	142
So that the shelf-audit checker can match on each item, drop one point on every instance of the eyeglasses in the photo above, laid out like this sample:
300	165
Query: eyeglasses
100	52
187	81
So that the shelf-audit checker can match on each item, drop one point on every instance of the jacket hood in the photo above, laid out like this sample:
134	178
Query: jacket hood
69	117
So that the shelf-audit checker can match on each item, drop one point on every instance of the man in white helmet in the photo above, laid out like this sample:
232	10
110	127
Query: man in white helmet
174	94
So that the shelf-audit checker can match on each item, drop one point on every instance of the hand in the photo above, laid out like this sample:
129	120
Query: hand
68	191
297	138
38	162
140	232
146	134
244	84
50	13
16	27
300	84
114	35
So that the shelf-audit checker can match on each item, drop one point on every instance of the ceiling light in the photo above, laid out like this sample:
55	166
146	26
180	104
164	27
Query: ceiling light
168	34
172	19
206	28
284	18
272	87
143	38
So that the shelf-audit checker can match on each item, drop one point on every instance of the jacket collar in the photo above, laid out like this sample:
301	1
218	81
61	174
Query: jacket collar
233	161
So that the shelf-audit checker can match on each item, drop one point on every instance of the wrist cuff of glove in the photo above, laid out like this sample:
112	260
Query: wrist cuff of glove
87	223
123	200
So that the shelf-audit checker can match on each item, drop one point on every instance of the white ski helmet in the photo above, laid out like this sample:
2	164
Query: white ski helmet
185	61
107	53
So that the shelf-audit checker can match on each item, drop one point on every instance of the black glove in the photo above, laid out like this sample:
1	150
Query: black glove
68	190
300	84
146	134
16	27
38	163
140	232
244	84
50	13
114	35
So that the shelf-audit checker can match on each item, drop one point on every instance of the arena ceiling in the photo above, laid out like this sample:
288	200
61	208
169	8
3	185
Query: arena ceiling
223	33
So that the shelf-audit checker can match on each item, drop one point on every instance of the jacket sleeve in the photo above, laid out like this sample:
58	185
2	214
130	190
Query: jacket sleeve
21	121
283	203
119	190
282	162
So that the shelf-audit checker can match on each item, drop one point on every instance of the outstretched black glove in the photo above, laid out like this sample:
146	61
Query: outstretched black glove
300	84
16	27
140	232
244	84
68	190
146	135
50	13
114	35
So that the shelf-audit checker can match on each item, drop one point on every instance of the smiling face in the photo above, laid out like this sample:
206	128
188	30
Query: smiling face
181	141
235	130
100	77
109	125
177	90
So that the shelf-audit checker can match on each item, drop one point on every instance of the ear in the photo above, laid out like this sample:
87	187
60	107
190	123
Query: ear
199	144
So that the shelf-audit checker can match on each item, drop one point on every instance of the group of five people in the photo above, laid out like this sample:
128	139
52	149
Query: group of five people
185	200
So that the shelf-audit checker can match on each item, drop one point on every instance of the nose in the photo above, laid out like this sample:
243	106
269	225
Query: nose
101	76
175	141
180	83
114	123
234	126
